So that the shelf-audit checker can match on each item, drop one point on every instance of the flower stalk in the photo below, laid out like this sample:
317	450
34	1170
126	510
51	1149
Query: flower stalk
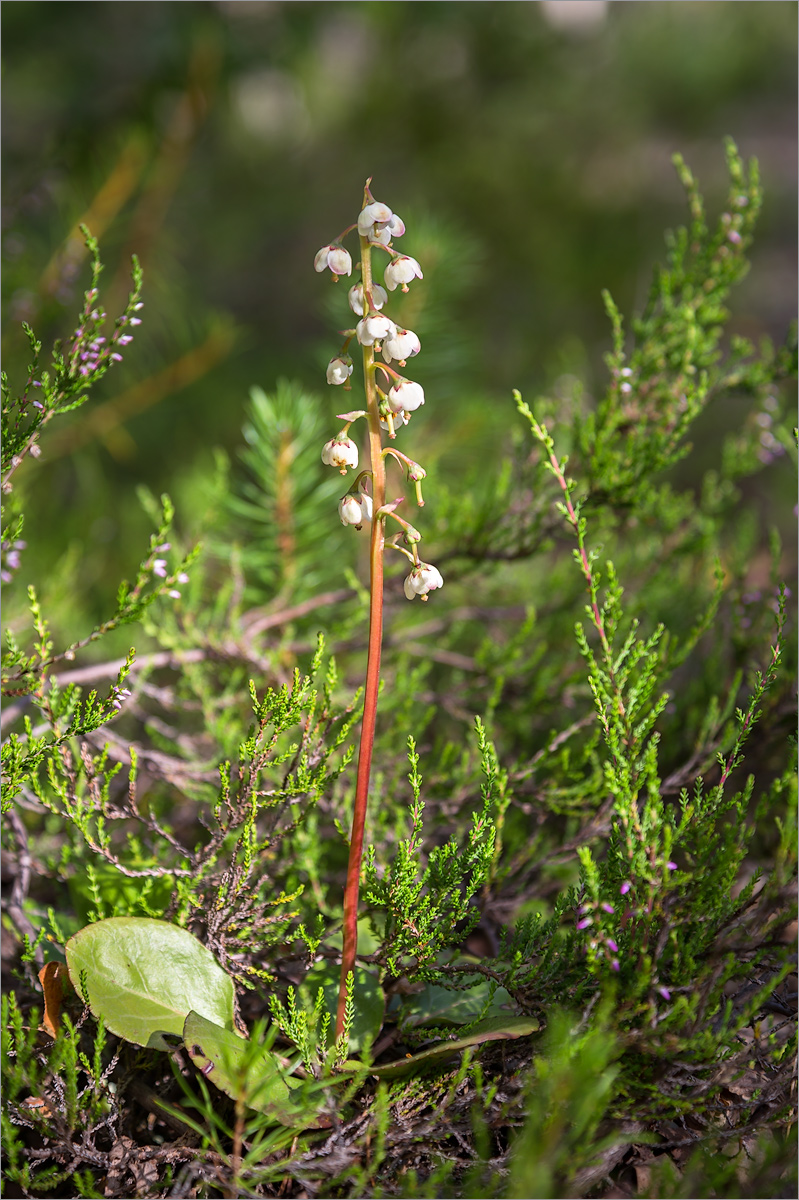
376	333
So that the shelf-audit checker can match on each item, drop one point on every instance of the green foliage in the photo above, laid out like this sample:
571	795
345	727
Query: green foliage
425	907
282	499
607	854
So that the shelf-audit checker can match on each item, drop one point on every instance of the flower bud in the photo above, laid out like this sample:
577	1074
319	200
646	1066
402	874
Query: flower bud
339	369
340	452
354	510
336	258
401	344
355	297
373	329
406	396
422	579
401	271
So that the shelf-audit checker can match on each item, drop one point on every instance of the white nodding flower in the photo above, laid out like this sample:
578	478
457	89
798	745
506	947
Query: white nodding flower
422	579
340	452
406	396
396	225
339	369
373	214
373	329
401	271
354	510
401	344
380	235
397	419
336	258
355	297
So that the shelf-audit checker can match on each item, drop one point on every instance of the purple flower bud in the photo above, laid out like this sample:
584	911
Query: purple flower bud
175	594
612	945
136	320
608	908
586	921
116	357
159	567
671	866
183	577
625	887
125	339
665	993
614	966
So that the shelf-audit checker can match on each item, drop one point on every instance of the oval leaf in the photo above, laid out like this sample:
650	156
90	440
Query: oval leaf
435	1005
245	1072
143	977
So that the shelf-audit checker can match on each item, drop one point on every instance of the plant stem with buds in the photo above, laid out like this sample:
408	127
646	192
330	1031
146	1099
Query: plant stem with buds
350	926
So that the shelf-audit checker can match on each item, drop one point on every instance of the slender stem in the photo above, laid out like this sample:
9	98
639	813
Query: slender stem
378	467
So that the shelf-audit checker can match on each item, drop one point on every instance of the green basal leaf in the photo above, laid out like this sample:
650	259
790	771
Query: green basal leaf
435	1005
143	977
245	1072
493	1029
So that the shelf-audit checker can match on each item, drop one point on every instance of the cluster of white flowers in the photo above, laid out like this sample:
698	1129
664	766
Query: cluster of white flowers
377	226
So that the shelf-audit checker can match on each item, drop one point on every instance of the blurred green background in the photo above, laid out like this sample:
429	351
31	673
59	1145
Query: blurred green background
526	145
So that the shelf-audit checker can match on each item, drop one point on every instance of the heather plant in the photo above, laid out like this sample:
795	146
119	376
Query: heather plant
540	936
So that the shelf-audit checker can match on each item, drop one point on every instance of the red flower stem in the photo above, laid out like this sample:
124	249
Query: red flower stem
378	466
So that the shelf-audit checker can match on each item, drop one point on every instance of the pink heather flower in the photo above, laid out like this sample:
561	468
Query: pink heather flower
671	866
665	993
336	258
406	396
612	945
373	329
401	271
136	320
614	966
159	567
339	370
183	577
125	339
401	345
354	510
585	922
355	297
175	594
625	887
340	452
374	214
422	579
608	908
